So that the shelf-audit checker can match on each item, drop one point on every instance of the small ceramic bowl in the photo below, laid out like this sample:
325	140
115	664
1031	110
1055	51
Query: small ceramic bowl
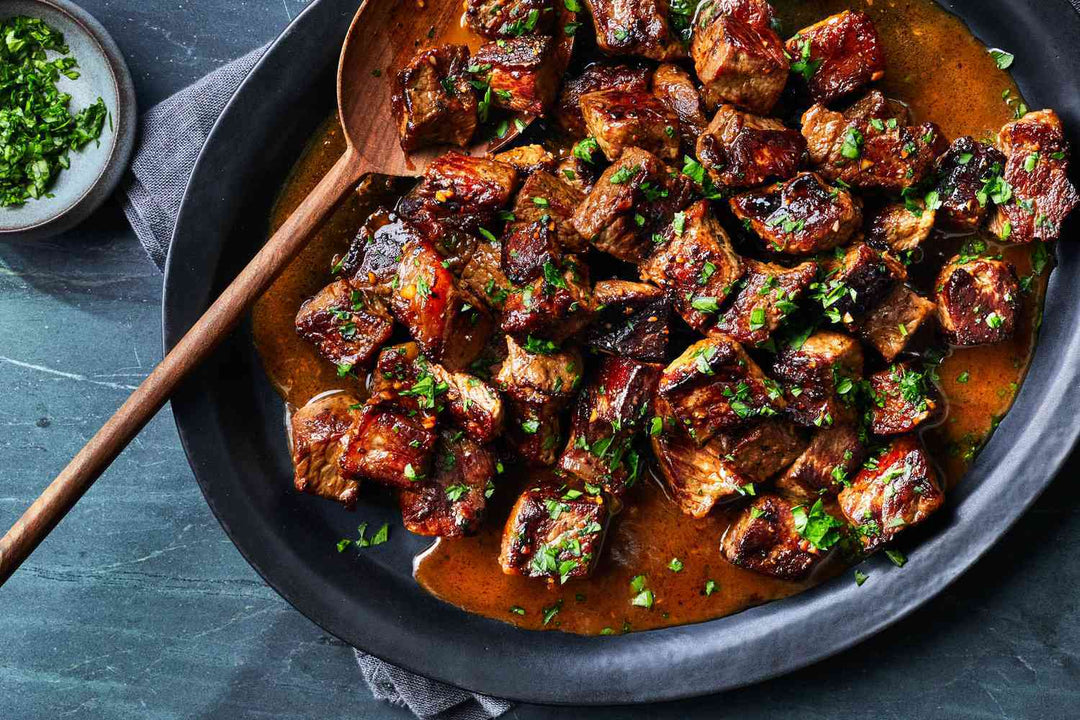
98	167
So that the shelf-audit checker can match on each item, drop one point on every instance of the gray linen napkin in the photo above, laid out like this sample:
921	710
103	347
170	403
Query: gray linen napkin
171	135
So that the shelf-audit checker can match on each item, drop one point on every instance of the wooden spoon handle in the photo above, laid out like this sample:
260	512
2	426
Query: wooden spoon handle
75	479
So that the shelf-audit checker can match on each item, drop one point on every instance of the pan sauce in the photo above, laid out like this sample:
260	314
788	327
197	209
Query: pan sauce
946	75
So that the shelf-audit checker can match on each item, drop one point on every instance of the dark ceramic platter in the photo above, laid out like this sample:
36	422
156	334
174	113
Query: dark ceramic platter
231	424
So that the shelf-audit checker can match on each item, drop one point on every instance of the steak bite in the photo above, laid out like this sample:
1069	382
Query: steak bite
904	400
895	321
632	320
900	227
508	18
963	172
874	105
528	248
373	255
635	27
524	73
755	13
743	150
546	196
448	323
1037	170
637	196
432	100
540	378
870	154
389	444
894	491
837	55
764	539
714	386
618	119
451	503
474	405
768	295
606	75
535	432
459	192
738	63
800	216
554	532
819	378
601	449
528	159
856	283
318	438
483	277
347	323
700	478
978	300
554	306
697	266
674	87
834	455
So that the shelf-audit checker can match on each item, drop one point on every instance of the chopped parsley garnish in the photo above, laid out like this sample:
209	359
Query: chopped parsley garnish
898	558
1002	59
584	149
710	587
816	525
804	65
675	565
860	577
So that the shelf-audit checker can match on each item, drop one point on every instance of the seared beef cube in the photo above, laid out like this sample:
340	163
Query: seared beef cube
528	159
874	105
769	293
801	216
870	154
635	27
373	255
962	173
318	439
738	63
714	386
484	278
855	283
1037	170
632	320
508	18
554	533
597	76
389	444
978	300
764	539
451	503
346	323
578	174
904	400
535	432
697	266
900	227
550	377
699	478
895	321
547	196
819	378
756	13
527	249
459	191
432	100
476	406
674	87
838	55
446	321
524	75
894	491
618	119
834	455
635	197
554	306
743	150
601	449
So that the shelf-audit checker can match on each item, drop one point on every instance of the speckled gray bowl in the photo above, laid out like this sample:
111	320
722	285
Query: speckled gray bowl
98	167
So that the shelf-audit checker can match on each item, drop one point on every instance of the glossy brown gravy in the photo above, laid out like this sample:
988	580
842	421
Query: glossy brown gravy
946	76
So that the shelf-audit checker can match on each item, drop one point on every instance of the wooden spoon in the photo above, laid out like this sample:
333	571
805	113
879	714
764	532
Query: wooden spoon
383	37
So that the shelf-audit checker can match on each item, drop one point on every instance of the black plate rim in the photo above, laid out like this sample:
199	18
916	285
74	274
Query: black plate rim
671	663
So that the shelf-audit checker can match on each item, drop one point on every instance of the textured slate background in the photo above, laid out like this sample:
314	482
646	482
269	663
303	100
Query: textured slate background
138	605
